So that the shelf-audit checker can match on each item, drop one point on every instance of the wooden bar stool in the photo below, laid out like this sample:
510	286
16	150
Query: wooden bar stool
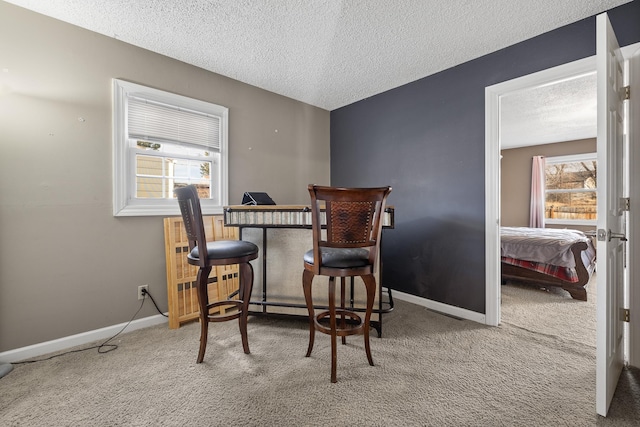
221	252
347	248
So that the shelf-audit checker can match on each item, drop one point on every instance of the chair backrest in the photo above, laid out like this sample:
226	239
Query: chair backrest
189	202
352	218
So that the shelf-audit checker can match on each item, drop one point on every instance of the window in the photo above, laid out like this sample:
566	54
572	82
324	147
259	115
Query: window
571	191
162	141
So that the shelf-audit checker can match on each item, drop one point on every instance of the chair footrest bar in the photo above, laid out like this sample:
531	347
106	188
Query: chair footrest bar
353	324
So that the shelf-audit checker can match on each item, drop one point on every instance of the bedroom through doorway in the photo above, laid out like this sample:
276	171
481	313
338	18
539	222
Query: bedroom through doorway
553	119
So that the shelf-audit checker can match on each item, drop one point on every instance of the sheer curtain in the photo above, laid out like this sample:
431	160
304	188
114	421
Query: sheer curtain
536	213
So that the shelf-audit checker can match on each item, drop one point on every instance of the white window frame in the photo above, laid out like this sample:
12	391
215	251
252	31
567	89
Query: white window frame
572	158
124	201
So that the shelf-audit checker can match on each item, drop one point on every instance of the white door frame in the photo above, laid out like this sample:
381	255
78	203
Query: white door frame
492	184
633	251
492	166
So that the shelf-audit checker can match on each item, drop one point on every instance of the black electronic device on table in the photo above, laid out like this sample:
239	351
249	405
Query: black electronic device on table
257	198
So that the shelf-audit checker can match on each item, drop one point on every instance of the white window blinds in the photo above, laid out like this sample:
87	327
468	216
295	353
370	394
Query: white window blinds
157	122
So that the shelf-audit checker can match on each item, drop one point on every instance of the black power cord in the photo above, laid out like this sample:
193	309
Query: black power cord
105	345
145	293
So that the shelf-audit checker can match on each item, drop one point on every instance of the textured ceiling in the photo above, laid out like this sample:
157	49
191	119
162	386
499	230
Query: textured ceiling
327	53
563	111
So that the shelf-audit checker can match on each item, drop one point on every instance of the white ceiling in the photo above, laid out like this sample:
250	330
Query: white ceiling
564	111
327	53
331	53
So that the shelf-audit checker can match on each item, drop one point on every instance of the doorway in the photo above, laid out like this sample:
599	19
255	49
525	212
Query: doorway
556	120
493	177
493	96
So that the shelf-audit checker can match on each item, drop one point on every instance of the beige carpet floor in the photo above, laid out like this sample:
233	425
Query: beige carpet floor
551	311
431	370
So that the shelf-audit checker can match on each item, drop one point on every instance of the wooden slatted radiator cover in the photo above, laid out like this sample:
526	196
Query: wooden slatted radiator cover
181	277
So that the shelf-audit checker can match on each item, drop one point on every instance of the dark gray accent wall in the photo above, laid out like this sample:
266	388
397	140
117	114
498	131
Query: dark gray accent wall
426	139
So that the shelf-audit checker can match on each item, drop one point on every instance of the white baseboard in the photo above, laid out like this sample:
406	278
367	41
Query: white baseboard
47	347
442	308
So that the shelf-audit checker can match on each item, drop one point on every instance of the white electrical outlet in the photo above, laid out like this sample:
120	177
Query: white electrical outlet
140	288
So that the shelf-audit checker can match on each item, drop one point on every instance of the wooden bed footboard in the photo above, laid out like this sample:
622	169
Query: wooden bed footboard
577	289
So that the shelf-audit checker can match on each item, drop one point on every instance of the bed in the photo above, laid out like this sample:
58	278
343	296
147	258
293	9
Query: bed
548	257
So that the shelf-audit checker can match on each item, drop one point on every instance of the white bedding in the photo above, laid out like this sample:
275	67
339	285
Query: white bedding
544	245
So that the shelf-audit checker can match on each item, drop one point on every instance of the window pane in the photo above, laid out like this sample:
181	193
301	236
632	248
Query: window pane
582	205
204	190
147	165
571	175
157	177
190	170
148	187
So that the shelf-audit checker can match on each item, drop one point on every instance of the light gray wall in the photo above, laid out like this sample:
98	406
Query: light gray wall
515	177
66	264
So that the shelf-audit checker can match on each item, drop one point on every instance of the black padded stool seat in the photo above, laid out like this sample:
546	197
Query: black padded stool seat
224	249
220	252
347	248
340	257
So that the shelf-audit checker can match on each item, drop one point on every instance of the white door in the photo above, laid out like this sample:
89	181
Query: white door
610	248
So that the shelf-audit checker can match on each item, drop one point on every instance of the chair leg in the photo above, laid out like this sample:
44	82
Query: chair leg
370	284
244	293
332	325
203	302
343	324
307	280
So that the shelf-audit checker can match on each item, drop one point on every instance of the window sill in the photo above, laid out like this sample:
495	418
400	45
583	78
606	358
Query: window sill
583	222
161	210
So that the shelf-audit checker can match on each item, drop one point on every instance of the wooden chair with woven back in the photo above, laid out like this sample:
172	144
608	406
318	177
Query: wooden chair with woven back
345	244
205	255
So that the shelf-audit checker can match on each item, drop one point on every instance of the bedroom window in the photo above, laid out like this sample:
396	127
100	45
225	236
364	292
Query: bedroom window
163	141
571	191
